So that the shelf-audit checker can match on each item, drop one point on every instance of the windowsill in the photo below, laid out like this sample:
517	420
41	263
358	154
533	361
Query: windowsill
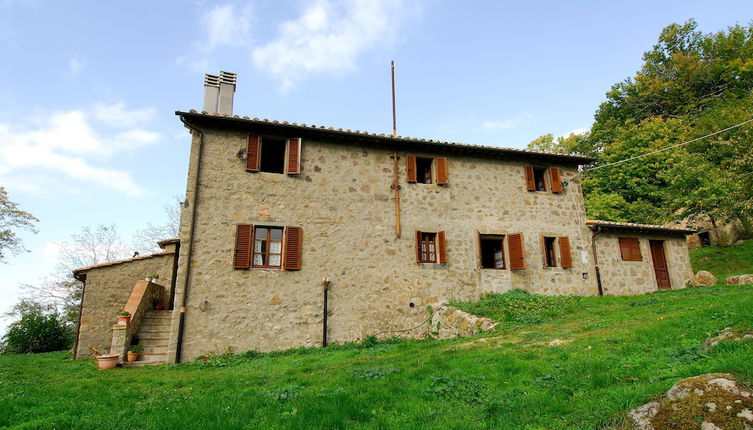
432	265
496	269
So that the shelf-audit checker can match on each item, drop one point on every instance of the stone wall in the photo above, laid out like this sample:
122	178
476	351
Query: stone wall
620	277
343	201
107	289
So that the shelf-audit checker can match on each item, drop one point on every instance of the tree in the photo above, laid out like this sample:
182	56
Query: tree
39	328
12	218
145	240
690	85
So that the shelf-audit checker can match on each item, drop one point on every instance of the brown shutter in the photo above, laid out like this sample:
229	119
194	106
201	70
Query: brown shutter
554	175
442	246
243	240
252	153
418	246
530	183
442	170
567	259
411	167
293	242
294	156
630	248
517	251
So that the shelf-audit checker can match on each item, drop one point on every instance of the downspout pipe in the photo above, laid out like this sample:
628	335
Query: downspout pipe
187	282
596	259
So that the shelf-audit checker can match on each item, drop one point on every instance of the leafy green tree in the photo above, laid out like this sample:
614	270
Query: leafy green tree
11	219
39	328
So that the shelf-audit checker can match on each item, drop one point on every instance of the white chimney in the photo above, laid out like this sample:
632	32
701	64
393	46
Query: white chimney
211	93
227	89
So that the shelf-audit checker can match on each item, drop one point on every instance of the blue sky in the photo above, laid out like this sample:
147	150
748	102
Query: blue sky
89	88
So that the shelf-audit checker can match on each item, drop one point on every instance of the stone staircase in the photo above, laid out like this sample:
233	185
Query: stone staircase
154	336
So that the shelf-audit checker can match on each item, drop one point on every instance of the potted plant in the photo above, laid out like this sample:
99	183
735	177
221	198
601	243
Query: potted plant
105	361
152	277
124	318
133	353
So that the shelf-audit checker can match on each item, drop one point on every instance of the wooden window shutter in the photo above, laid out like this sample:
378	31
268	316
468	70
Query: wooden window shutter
567	259
556	179
630	248
418	246
530	182
294	156
252	153
411	167
442	170
293	248
442	247
243	241
517	251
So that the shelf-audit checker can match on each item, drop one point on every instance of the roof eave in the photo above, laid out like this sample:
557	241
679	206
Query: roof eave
262	126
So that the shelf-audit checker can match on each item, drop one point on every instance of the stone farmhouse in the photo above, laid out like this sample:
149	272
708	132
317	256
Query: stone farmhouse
298	235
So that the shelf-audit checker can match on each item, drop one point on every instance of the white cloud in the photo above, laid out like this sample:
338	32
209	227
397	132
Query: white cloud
579	130
506	124
65	149
328	37
226	25
117	115
75	65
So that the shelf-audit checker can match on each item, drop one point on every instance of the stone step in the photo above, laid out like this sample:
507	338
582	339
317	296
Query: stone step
147	333
162	347
150	327
147	320
153	340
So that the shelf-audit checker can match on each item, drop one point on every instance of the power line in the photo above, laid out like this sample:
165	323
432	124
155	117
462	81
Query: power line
670	147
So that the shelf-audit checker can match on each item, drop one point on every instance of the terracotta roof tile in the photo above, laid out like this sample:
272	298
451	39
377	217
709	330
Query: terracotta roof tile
578	159
638	227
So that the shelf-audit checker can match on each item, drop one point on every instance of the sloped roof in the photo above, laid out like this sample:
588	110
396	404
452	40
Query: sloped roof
399	142
82	270
641	228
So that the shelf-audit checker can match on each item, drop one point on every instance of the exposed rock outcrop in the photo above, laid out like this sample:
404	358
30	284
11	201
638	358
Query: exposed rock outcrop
703	279
739	280
711	401
449	322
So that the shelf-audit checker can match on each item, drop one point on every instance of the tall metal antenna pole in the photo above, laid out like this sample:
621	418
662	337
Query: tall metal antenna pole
394	120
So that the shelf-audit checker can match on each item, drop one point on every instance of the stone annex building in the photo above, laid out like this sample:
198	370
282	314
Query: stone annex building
276	213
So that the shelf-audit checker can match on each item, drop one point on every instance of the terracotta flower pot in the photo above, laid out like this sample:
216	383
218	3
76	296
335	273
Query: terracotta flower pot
106	362
123	320
133	356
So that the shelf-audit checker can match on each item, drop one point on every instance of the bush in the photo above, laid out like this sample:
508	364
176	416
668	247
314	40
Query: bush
39	329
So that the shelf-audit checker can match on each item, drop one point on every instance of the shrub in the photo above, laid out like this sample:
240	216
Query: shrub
40	329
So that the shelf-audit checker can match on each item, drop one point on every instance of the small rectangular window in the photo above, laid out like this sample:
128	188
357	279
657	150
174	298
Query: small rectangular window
427	247
423	170
550	258
272	155
267	247
539	178
630	249
492	252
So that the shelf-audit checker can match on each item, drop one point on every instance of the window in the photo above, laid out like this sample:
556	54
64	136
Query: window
273	155
549	247
425	170
267	247
430	247
492	249
630	249
539	178
536	178
550	258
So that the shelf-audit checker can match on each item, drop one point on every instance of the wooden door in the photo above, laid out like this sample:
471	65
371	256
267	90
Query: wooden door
660	264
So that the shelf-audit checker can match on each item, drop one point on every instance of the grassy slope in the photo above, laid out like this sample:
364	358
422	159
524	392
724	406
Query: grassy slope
624	351
724	262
